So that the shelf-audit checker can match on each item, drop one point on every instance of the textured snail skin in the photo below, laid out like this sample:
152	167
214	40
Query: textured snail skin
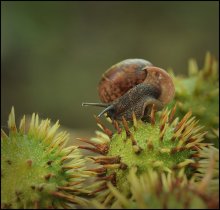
136	100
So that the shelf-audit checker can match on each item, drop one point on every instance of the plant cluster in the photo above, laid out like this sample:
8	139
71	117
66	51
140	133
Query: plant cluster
170	160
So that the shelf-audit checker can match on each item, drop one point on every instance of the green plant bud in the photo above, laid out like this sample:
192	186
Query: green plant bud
36	170
165	144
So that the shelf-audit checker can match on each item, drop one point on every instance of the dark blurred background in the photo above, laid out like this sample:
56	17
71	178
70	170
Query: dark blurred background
54	53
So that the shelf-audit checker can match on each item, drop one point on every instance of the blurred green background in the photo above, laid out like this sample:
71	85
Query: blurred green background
54	53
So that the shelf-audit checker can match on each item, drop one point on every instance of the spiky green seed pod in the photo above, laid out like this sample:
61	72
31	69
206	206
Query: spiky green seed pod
165	144
36	170
207	172
199	92
153	190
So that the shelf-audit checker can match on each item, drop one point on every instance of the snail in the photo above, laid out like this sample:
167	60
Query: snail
133	85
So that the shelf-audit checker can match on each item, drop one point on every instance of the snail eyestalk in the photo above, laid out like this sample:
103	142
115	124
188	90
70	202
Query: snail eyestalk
105	110
107	107
95	104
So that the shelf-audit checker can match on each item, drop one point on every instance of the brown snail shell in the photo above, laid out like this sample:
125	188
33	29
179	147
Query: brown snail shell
160	78
120	78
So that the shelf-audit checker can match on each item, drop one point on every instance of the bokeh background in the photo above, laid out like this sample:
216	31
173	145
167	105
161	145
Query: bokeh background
54	53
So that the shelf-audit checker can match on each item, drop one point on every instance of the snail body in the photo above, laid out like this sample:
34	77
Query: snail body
133	85
138	99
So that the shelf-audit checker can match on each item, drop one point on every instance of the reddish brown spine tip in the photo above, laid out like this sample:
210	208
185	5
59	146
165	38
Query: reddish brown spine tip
162	127
134	120
134	142
125	124
107	160
183	121
89	142
69	184
150	145
63	196
195	148
111	177
100	148
190	140
128	132
106	130
152	115
173	138
123	166
173	150
172	114
196	155
102	187
48	176
29	162
177	149
115	123
194	165
100	171
162	132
